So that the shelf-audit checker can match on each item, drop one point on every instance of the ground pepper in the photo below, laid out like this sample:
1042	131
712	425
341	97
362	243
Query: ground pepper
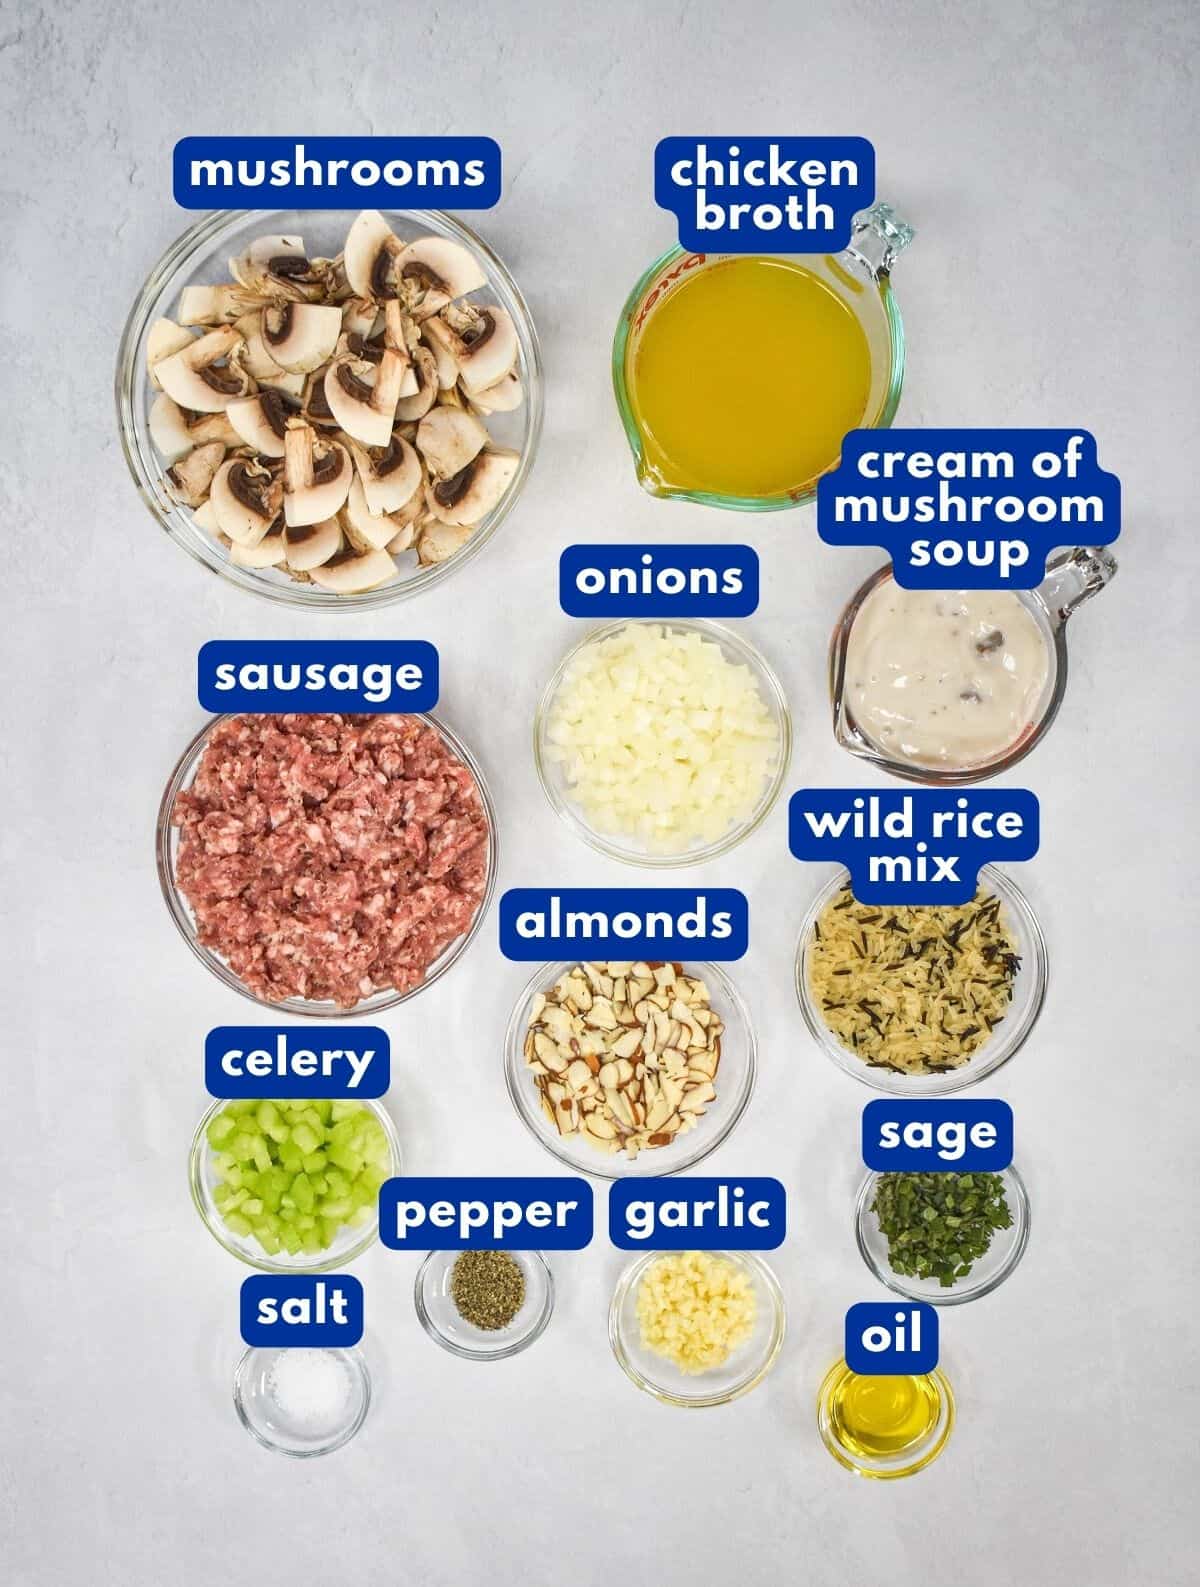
488	1287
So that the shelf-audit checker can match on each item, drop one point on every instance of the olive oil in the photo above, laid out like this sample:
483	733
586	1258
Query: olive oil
884	1416
745	379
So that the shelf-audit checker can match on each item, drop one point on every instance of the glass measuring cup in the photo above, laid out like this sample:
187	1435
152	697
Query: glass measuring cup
1072	577
859	276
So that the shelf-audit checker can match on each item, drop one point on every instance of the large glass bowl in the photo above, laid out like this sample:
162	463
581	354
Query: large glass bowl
352	1239
734	1085
1029	992
201	255
166	843
744	1370
618	847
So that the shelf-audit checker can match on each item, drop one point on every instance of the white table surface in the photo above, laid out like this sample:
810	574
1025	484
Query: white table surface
1047	156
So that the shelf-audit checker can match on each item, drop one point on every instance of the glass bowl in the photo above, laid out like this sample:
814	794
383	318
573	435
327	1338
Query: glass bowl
744	1370
1002	1255
201	254
734	1085
351	1242
557	790
166	843
443	1322
265	1420
905	1462
1029	992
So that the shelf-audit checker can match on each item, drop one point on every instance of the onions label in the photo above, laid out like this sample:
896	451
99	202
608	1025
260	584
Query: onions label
658	581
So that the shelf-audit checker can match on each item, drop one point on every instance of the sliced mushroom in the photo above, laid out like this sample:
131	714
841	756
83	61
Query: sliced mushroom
470	495
189	480
261	421
169	428
362	396
364	529
439	542
349	572
246	498
390	475
448	439
301	336
484	350
215	305
162	339
206	376
447	368
505	396
278	267
360	317
290	383
205	518
256	359
316	475
270	551
313	406
402	540
309	545
425	374
372	248
434	271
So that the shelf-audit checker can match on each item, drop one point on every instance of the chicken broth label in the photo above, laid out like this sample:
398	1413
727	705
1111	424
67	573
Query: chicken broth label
756	195
930	1135
334	1063
314	675
686	1214
336	173
655	923
300	1310
886	1337
969	509
444	1214
923	847
658	581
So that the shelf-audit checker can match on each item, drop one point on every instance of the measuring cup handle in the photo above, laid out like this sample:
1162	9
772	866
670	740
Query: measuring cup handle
1073	577
878	235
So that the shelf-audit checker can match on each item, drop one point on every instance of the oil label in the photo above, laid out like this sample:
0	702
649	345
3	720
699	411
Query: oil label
883	1338
275	675
658	581
297	1309
697	1214
969	509
343	1061
931	1135
486	1214
624	923
755	195
923	847
336	173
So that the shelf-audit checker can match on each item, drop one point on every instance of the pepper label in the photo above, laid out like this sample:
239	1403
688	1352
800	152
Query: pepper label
624	922
302	1310
697	1214
486	1214
658	581
928	1135
276	675
883	1338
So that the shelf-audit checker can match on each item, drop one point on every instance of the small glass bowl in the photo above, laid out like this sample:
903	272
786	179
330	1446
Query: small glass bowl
901	1462
557	789
734	1085
1029	993
443	1322
1002	1255
262	1418
166	843
744	1370
201	254
351	1242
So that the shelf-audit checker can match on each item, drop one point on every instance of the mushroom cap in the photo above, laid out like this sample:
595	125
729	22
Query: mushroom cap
469	496
162	339
245	499
448	439
349	573
301	336
369	237
192	379
307	546
359	523
439	267
362	396
261	421
391	480
490	353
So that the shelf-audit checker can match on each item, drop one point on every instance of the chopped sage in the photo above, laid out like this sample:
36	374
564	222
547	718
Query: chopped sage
939	1225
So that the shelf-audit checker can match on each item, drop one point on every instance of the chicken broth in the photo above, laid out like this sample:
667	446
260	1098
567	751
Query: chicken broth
746	378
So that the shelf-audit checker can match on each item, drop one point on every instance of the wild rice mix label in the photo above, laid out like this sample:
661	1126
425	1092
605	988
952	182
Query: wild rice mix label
917	989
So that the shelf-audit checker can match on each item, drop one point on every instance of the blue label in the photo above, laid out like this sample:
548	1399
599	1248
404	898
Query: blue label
658	581
969	509
330	1062
923	847
747	195
486	1214
926	1135
352	675
336	173
298	1309
883	1337
697	1214
624	923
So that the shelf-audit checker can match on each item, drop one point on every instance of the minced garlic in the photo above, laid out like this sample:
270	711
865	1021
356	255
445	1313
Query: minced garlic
695	1309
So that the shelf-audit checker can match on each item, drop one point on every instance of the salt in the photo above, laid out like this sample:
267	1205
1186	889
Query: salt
310	1388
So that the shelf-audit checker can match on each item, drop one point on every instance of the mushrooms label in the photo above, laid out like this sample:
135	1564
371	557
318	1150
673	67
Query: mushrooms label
335	173
269	675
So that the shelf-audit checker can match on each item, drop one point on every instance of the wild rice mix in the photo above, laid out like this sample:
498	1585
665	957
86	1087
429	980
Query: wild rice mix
917	990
